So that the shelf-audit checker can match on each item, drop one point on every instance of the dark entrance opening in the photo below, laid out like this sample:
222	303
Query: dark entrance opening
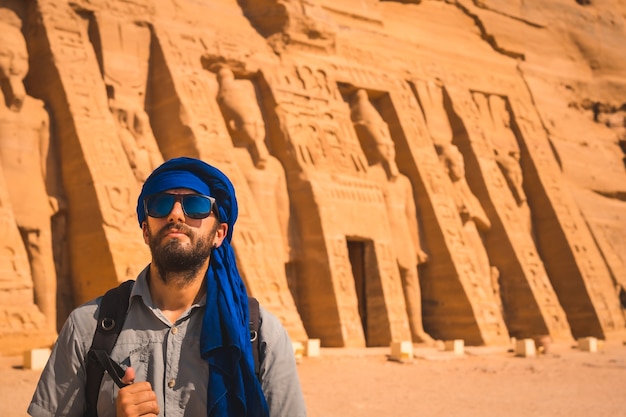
356	253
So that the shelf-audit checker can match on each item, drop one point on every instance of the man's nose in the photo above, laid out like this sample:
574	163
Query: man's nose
177	213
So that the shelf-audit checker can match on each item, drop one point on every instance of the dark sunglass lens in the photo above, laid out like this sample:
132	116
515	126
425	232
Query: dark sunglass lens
197	206
160	205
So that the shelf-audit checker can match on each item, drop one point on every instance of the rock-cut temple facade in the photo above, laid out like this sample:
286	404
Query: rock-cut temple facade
405	170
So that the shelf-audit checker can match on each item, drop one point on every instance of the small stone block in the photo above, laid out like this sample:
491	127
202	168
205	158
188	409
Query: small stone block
456	346
525	348
298	350
312	348
402	351
588	344
36	359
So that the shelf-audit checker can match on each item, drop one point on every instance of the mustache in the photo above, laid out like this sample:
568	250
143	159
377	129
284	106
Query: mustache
178	227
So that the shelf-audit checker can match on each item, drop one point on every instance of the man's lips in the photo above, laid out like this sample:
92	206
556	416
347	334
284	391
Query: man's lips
174	232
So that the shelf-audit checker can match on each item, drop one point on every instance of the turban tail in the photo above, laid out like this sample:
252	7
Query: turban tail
233	388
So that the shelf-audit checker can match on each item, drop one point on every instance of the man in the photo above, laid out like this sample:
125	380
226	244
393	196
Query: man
185	341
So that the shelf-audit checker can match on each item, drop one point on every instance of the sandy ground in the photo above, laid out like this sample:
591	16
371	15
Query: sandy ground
483	382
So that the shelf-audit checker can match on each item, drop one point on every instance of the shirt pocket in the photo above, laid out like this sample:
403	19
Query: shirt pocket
138	358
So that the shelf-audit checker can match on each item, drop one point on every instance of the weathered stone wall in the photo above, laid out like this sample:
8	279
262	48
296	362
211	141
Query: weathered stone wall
406	170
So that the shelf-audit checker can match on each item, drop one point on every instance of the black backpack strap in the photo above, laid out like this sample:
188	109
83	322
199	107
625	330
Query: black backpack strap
111	316
255	322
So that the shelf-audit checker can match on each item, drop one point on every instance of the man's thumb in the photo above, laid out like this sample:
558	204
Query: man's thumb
129	376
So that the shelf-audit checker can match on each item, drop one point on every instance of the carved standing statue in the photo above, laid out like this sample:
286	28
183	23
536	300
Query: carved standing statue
242	115
506	150
380	151
264	173
24	147
473	217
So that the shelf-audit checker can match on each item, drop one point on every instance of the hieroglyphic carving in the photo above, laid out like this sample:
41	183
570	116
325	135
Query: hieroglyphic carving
123	48
322	144
89	129
586	264
510	222
199	125
364	77
351	330
380	151
261	276
473	217
315	118
391	286
445	238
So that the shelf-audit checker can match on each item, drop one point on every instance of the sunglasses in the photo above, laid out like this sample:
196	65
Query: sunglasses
195	206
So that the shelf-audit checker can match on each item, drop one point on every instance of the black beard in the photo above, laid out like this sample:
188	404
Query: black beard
172	258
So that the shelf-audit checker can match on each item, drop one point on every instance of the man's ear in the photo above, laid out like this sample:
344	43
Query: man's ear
220	234
145	231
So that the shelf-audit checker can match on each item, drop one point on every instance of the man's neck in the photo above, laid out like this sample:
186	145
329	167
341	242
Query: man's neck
175	293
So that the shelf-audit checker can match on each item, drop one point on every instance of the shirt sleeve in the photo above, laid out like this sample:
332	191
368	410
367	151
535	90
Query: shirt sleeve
60	391
278	369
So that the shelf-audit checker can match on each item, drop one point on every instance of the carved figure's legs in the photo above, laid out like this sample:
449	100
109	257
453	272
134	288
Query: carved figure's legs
413	301
38	244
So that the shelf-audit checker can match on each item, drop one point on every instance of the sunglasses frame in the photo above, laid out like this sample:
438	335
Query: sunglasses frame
180	198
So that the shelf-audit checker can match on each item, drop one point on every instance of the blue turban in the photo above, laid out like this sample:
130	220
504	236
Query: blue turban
225	344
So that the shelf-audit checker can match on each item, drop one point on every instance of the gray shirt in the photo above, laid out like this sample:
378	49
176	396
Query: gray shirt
163	353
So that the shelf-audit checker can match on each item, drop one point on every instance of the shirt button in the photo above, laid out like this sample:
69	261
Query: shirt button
171	383
174	330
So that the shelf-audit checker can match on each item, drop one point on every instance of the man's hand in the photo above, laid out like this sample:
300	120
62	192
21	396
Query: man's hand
136	399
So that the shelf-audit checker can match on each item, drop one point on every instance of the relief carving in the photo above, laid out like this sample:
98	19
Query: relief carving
25	159
481	166
497	121
97	184
238	102
123	50
263	172
489	137
380	151
473	217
